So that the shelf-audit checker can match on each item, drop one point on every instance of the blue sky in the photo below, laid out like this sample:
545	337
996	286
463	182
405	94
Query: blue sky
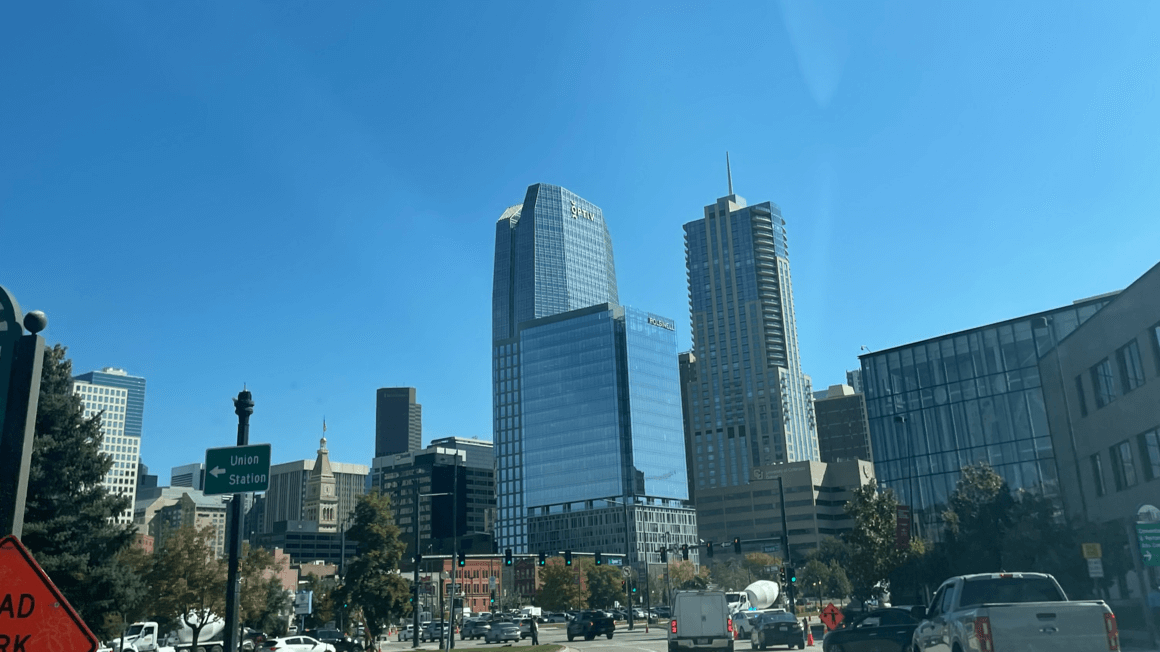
301	196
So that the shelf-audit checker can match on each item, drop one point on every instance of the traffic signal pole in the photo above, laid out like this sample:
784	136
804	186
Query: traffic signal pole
789	590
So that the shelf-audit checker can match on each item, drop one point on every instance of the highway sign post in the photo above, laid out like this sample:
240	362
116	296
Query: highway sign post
237	469
34	616
1095	568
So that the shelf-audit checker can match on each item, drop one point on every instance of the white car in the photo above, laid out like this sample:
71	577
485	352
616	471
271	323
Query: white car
296	644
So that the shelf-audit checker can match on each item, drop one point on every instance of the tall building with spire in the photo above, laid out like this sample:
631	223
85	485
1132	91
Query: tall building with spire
748	401
587	417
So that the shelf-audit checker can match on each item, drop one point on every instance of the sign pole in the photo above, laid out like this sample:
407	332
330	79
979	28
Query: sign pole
21	360
243	407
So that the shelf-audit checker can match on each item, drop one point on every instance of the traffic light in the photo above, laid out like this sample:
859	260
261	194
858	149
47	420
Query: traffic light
543	558
791	574
685	551
709	549
567	557
781	575
507	557
417	558
634	588
623	584
737	545
462	559
599	559
492	597
664	555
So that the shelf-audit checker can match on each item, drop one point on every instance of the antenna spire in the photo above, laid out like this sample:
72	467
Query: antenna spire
729	172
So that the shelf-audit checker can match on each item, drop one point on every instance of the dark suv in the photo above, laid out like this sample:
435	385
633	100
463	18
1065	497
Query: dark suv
340	641
590	624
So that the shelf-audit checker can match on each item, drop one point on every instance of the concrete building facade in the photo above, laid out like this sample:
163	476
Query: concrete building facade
843	429
286	497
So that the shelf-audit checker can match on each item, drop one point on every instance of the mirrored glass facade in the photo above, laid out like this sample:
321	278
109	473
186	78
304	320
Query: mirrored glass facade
941	404
587	399
749	402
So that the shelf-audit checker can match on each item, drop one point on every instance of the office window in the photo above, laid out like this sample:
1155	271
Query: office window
1103	383
1131	367
1081	398
1098	475
1150	454
1156	343
1126	464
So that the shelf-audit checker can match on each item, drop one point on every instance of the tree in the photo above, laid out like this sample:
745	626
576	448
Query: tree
873	553
372	582
322	602
68	524
684	576
274	617
831	549
838	583
560	588
813	578
252	569
603	585
760	565
188	580
729	575
978	516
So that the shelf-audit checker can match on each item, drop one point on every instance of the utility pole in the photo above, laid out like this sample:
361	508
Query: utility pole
243	407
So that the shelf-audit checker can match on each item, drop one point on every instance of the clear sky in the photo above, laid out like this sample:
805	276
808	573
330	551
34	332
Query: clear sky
301	196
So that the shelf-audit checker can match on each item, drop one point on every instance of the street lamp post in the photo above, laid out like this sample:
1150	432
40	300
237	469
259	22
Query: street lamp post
627	557
452	643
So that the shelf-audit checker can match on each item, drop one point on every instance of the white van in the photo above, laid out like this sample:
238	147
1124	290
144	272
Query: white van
700	622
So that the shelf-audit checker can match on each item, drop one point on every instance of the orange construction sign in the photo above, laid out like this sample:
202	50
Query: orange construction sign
34	616
831	616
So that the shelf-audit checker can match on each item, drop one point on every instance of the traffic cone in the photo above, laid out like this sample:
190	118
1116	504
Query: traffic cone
809	633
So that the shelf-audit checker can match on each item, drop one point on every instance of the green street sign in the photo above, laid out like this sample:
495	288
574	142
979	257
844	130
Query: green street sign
237	469
1149	536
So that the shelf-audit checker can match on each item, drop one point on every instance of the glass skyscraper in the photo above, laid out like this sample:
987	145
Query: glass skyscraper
972	396
587	398
748	401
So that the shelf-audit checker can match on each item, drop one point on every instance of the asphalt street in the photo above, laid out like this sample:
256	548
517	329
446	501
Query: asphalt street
622	641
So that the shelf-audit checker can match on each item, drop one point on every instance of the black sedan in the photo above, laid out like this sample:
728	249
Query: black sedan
776	628
884	630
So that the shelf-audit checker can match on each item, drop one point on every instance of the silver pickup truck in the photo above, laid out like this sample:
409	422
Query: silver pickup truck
1012	611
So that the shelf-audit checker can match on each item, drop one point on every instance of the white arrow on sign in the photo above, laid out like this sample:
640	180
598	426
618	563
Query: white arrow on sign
1147	555
216	471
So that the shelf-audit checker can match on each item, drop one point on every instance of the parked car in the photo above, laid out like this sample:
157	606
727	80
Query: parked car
777	629
558	618
473	628
886	630
525	628
296	644
502	632
591	624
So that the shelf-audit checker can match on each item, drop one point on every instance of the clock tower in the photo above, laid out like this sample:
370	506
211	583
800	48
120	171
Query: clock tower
321	498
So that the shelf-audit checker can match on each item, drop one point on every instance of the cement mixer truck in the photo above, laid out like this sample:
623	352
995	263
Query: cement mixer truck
758	598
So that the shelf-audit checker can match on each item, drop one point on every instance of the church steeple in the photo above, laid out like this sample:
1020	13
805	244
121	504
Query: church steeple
321	496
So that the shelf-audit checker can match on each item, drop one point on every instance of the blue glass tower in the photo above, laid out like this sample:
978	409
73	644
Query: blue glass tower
588	434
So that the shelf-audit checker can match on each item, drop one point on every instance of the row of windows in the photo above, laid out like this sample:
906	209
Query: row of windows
1108	385
1127	468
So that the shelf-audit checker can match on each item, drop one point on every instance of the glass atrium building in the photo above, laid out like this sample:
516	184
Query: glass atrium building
587	402
748	401
947	402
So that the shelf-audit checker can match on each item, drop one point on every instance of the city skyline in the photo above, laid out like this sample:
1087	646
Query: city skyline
945	152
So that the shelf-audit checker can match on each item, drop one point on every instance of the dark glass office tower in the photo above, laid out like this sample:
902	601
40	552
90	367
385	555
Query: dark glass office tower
398	421
750	403
587	400
134	398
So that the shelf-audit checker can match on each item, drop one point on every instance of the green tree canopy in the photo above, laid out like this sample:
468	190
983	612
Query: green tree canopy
977	518
684	576
187	580
603	585
68	524
559	588
372	581
873	553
